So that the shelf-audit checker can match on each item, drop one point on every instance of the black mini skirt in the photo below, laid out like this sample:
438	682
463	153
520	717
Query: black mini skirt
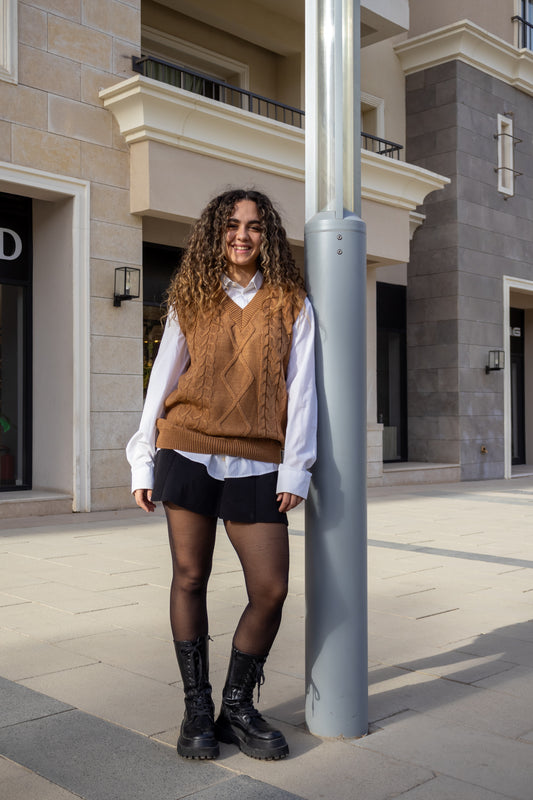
187	484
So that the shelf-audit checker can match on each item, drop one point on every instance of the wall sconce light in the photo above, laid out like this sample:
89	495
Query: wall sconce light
127	284
496	361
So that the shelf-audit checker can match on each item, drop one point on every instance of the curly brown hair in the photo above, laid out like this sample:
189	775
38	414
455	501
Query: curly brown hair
197	283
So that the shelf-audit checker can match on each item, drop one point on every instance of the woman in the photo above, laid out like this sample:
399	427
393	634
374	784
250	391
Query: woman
232	401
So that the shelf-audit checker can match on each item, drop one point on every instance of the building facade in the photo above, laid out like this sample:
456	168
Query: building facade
119	119
470	276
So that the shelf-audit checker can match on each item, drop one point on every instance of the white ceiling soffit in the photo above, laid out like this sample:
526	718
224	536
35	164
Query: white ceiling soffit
278	25
381	19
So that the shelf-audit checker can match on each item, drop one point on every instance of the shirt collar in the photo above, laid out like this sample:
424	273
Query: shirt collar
254	285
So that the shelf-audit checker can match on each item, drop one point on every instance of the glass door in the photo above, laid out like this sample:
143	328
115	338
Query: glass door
392	370
15	342
159	264
518	416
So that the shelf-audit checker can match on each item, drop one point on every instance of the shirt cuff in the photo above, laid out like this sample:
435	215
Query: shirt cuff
294	481
142	477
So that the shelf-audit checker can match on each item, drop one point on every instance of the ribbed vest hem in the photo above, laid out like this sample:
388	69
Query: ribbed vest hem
172	437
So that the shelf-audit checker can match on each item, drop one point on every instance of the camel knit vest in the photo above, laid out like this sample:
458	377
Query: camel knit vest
232	400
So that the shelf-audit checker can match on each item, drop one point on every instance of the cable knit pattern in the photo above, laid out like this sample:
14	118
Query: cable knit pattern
232	400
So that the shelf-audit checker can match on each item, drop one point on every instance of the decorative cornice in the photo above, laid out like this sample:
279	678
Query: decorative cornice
467	42
148	110
415	221
396	183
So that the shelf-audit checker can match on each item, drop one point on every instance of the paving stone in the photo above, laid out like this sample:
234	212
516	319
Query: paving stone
474	756
50	624
18	783
9	600
322	768
452	702
515	682
245	788
22	657
133	652
135	617
141	704
443	788
514	650
451	691
144	594
99	761
68	598
19	704
100	563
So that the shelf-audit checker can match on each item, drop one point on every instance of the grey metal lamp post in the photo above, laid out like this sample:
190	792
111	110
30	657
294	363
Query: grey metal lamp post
335	246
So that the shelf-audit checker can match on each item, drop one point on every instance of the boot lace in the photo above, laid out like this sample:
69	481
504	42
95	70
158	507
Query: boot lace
259	677
195	666
200	704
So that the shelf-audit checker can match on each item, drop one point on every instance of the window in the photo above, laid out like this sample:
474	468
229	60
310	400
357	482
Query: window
506	142
159	264
392	369
372	115
527	16
199	59
15	342
8	41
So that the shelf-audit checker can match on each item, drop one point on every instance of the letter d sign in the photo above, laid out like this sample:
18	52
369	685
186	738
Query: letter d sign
5	235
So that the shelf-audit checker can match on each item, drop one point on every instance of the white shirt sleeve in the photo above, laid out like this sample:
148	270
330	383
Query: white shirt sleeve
300	436
171	362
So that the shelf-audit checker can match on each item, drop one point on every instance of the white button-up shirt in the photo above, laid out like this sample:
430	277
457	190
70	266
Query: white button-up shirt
300	436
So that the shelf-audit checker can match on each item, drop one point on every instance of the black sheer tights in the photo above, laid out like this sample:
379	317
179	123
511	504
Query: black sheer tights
263	550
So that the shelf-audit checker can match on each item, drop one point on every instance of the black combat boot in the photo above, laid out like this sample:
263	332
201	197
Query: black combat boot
197	736
239	722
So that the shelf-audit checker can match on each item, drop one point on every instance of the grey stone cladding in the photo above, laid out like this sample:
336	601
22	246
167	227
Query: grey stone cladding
472	237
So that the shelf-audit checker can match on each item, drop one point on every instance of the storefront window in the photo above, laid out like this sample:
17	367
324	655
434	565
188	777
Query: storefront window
392	370
15	342
159	264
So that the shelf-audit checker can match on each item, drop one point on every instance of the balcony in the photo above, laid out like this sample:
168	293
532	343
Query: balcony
525	32
207	86
213	89
207	134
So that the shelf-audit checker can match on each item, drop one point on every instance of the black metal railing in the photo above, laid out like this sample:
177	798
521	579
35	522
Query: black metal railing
525	32
206	86
214	89
380	146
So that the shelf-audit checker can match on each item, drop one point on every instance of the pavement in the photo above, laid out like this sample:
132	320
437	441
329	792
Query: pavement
90	695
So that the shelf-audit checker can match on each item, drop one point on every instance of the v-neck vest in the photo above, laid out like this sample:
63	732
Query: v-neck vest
232	399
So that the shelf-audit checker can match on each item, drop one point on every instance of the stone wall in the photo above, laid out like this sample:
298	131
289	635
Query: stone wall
472	237
53	120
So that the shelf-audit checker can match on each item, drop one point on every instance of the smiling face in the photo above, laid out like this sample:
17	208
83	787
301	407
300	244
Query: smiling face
243	240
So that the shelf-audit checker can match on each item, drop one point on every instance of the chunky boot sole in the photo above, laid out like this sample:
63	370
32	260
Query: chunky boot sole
265	750
188	748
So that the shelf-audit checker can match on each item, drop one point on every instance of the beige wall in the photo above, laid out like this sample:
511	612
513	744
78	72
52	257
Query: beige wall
271	75
164	231
382	76
492	15
53	120
52	347
197	178
387	232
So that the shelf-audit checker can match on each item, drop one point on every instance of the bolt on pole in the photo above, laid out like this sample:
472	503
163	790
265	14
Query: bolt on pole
335	247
